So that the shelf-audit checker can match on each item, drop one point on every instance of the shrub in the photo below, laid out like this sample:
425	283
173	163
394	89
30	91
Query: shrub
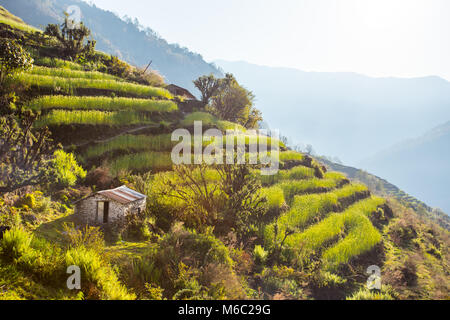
100	178
15	244
13	59
29	200
67	169
260	255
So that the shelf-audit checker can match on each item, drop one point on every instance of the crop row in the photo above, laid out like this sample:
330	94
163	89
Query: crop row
102	103
60	84
62	117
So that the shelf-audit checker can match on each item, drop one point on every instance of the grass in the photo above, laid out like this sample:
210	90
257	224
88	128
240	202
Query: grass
145	161
305	209
249	140
297	173
290	156
71	74
131	143
297	187
208	119
68	85
62	117
102	103
57	63
359	235
15	22
275	197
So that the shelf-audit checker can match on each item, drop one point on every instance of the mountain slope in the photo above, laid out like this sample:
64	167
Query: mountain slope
122	38
343	114
315	240
419	165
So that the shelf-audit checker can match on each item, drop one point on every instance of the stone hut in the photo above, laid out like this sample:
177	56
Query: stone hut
109	208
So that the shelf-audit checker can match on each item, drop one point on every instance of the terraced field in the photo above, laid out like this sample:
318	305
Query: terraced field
328	218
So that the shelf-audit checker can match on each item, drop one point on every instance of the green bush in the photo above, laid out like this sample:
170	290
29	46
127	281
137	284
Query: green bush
15	244
260	255
67	169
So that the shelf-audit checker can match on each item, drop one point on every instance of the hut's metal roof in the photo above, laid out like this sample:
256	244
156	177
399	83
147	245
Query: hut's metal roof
123	195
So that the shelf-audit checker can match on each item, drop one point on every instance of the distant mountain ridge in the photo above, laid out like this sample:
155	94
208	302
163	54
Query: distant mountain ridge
419	165
126	39
344	114
384	188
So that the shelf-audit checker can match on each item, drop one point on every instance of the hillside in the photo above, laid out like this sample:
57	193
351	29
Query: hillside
347	115
222	232
424	167
122	38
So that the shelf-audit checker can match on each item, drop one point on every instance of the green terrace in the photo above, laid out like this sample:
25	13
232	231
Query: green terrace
353	230
71	74
102	104
92	118
59	84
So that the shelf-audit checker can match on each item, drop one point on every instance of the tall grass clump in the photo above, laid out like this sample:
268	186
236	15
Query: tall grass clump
71	74
102	103
275	198
98	279
131	143
61	117
68	85
15	244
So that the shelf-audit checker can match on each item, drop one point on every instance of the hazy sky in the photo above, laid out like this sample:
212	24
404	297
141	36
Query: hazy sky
404	38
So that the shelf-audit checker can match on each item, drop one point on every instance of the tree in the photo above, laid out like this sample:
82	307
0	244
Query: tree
72	37
245	204
208	87
13	59
202	201
25	157
234	103
232	203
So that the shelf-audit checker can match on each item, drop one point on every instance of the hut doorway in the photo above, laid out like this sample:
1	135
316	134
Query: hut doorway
102	212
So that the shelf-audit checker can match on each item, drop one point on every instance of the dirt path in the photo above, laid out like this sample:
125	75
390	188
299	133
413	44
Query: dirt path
133	130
